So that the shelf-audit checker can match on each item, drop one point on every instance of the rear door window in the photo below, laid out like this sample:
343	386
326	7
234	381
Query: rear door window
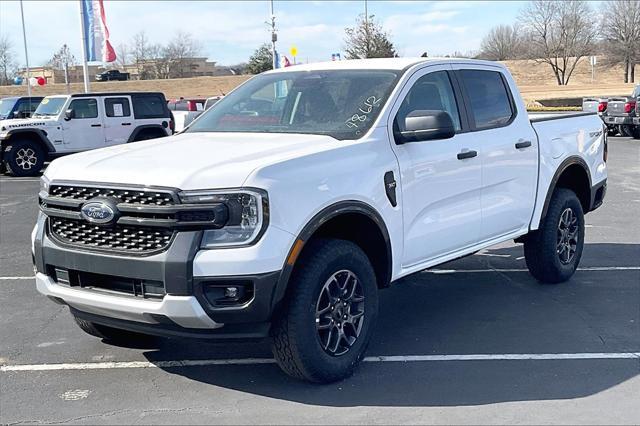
149	106
489	99
117	107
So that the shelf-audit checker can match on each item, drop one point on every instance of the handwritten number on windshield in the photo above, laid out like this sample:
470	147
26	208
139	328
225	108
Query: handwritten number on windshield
365	109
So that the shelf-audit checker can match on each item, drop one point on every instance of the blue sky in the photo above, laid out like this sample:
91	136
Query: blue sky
229	31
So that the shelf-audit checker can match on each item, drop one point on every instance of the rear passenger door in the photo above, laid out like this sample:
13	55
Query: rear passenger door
118	120
508	149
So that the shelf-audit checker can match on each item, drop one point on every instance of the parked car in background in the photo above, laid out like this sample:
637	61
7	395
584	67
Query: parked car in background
283	210
113	75
212	101
621	112
18	107
599	106
66	124
636	119
185	110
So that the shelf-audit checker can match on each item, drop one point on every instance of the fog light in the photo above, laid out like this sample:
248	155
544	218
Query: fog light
231	292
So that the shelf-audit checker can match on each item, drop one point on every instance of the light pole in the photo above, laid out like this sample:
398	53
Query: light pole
26	54
274	38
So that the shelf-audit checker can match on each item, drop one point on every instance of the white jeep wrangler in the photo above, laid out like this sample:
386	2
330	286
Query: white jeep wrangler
66	124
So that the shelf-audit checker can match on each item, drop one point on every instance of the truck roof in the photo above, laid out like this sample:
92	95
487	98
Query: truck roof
395	64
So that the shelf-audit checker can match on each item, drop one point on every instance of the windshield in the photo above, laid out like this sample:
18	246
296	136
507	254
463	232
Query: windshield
49	107
339	103
6	105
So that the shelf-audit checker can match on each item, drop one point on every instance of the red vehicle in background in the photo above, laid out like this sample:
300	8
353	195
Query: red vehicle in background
185	110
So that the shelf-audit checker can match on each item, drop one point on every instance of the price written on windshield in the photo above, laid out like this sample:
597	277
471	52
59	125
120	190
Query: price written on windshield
365	110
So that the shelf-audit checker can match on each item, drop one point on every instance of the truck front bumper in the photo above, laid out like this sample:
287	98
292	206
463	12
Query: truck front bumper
160	294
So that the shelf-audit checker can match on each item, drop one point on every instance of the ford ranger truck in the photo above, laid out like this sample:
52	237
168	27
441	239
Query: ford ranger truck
285	209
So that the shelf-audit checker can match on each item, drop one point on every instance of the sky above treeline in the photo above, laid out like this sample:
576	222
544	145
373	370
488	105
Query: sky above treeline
229	31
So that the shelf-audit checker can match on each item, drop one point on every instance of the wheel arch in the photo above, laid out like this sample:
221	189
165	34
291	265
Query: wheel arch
573	173
36	135
354	221
145	128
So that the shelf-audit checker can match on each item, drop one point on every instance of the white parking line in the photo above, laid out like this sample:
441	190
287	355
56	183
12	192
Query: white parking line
20	180
454	271
257	361
587	268
16	278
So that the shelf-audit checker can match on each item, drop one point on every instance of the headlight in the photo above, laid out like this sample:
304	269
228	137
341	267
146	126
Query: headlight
248	214
44	186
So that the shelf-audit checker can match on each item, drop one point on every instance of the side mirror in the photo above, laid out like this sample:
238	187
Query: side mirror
16	114
69	114
424	125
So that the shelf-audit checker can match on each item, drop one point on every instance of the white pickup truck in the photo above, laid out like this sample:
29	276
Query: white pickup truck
283	210
66	124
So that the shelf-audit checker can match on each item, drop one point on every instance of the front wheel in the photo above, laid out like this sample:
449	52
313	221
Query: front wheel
636	132
324	329
24	158
553	252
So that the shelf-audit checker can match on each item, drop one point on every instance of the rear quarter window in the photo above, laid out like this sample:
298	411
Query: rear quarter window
489	98
149	106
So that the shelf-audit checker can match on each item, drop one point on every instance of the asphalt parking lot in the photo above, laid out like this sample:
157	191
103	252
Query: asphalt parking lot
474	341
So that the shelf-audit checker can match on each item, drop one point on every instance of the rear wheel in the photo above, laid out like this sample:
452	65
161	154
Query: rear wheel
329	315
626	130
553	252
149	134
24	158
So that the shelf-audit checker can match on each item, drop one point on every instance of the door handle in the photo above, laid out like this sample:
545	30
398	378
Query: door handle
126	124
96	125
523	144
467	154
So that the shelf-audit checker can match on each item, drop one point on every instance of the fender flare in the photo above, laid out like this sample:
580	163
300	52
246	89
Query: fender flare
143	127
41	134
568	162
319	219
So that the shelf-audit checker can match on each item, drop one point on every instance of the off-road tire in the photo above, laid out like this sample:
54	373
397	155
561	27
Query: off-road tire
24	158
541	247
626	130
296	341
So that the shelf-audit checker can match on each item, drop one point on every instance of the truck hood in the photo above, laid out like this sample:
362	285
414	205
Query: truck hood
187	161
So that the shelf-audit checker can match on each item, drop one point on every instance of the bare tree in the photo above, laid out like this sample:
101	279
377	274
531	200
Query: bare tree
367	39
503	42
559	33
7	61
122	56
620	30
62	60
179	52
140	54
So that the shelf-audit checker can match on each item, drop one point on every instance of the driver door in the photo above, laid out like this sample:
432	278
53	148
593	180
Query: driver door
85	130
440	192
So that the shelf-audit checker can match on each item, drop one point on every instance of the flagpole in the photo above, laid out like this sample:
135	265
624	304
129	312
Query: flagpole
85	66
26	54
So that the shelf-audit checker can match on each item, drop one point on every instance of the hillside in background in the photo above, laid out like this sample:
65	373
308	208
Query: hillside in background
536	82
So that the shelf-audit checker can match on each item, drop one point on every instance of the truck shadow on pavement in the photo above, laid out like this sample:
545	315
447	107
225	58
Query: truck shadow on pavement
479	312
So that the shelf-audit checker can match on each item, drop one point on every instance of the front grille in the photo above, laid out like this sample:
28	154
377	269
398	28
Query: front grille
127	196
129	239
147	289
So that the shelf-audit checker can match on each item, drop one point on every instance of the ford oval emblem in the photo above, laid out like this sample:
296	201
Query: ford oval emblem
98	212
